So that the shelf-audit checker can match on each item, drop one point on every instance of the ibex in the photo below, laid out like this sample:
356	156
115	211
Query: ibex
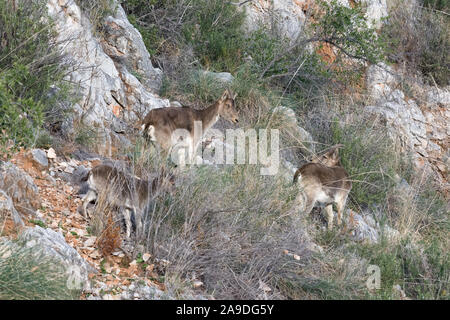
160	124
325	181
122	190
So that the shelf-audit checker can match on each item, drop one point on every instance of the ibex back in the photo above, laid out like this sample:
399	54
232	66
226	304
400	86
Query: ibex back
325	181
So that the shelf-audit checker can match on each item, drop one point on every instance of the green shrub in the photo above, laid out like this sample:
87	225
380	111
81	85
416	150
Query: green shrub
30	65
27	275
421	270
44	140
418	38
369	158
442	5
295	68
20	118
185	36
346	28
217	36
211	27
149	34
97	11
86	136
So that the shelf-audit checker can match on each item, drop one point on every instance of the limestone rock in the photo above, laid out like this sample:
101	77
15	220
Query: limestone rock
379	79
7	209
123	41
421	125
298	138
362	228
51	154
18	185
291	119
221	77
39	157
53	244
284	16
376	10
111	97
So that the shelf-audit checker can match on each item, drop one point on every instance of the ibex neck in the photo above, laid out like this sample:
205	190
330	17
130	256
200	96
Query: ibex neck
210	115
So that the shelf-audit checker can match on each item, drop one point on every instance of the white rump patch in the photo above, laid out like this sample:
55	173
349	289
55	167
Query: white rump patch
151	133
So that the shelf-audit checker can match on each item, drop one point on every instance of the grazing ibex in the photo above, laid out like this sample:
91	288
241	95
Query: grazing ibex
160	124
324	180
122	190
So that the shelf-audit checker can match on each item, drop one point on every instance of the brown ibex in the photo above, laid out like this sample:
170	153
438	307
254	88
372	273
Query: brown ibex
325	181
124	191
160	124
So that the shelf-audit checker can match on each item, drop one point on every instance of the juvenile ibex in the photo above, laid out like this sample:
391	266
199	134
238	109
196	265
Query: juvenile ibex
325	181
122	190
160	124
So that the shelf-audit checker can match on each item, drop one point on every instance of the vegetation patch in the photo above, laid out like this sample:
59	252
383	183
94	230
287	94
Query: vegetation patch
27	275
30	66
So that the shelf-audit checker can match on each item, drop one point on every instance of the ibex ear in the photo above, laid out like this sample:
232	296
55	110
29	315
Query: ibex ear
328	155
333	154
224	95
338	146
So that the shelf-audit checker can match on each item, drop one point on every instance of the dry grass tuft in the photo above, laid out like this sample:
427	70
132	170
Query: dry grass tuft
109	239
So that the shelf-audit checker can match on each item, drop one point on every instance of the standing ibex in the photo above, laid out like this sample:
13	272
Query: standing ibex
122	190
324	180
160	124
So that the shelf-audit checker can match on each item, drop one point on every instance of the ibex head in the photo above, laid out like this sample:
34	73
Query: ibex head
227	108
330	158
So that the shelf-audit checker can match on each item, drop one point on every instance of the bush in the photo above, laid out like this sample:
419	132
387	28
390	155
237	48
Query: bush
97	11
418	38
442	5
217	36
26	275
370	160
213	30
20	118
30	64
229	226
421	270
86	136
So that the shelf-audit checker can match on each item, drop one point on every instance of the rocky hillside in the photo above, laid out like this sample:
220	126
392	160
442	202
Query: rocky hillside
356	73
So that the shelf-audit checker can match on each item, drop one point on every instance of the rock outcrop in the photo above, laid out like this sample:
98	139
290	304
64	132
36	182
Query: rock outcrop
376	10
420	122
364	228
294	131
286	17
218	77
7	210
19	186
52	244
105	70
